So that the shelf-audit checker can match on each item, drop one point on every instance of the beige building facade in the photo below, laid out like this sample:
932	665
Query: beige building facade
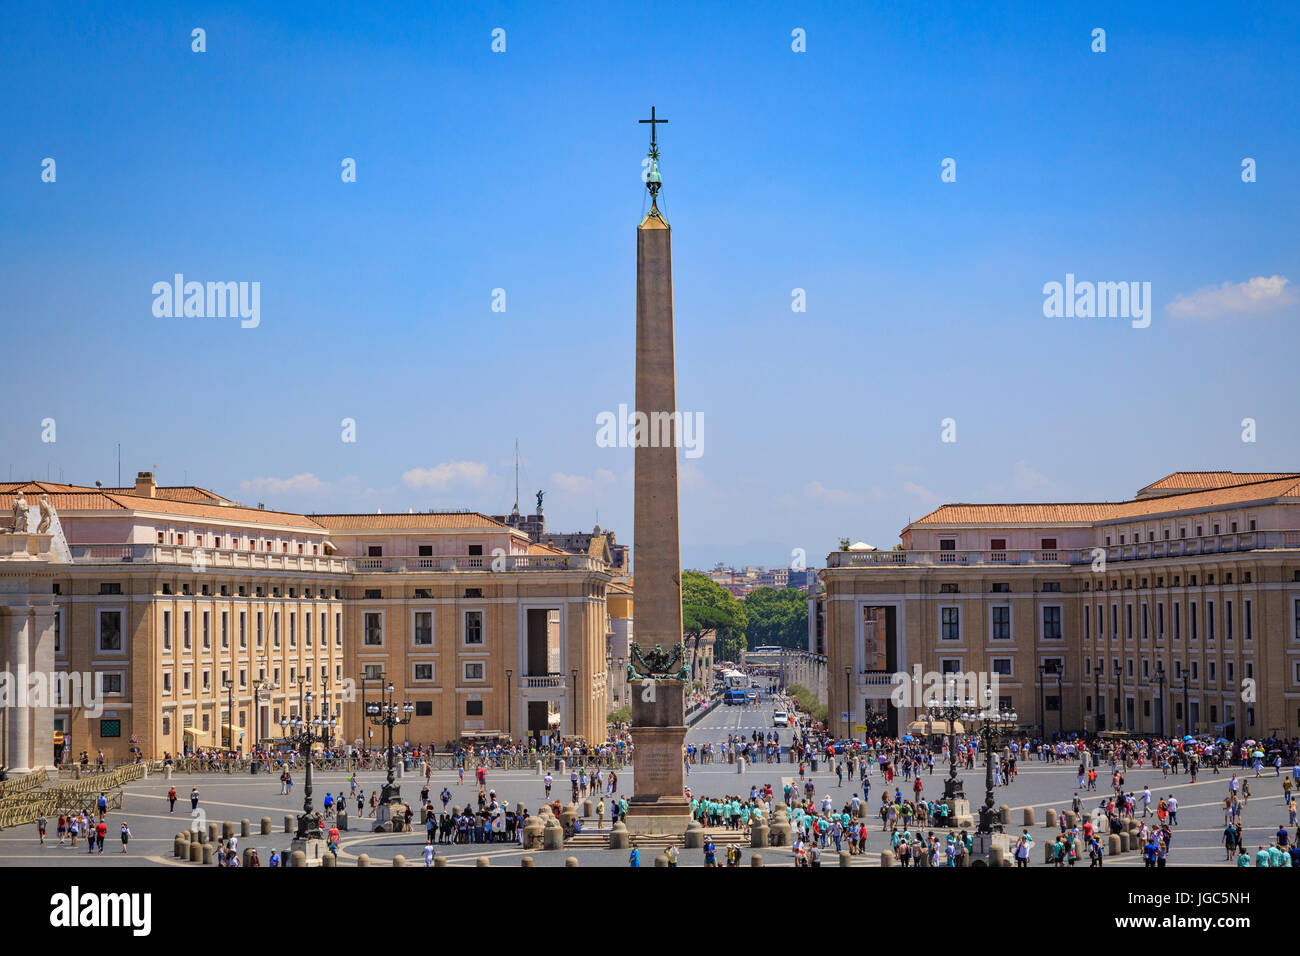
206	622
1175	612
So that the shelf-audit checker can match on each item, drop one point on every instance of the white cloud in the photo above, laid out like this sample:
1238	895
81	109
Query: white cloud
819	492
298	484
1252	297
449	473
1027	479
581	484
922	492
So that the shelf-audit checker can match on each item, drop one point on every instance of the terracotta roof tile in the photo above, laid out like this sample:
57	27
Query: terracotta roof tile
1204	480
436	521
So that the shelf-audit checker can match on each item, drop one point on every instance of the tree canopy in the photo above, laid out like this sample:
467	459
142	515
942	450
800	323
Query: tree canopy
777	616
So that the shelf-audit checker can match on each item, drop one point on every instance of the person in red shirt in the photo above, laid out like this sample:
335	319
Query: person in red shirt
334	839
101	831
171	798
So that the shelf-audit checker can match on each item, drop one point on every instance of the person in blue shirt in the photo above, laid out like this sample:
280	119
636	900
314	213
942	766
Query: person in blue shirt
634	858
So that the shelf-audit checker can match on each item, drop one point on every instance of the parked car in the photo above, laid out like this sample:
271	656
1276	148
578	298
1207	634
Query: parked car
780	719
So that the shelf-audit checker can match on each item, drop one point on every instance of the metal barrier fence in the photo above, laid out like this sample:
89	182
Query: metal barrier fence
21	784
26	807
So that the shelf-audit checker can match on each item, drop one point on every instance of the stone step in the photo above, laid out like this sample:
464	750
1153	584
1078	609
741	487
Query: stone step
600	840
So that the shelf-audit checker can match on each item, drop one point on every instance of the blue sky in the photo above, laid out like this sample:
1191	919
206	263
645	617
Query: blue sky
521	171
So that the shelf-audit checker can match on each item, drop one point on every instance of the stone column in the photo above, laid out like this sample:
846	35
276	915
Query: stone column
17	666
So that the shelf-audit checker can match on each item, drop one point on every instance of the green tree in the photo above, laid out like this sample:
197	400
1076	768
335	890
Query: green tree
708	606
777	616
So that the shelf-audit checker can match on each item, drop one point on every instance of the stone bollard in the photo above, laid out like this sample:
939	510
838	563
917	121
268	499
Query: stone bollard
887	858
553	835
779	833
167	772
571	861
1047	851
694	838
1071	819
198	835
266	826
1125	843
297	859
620	839
399	860
1049	819
740	765
212	833
181	848
540	771
996	856
342	823
1114	846
1029	817
588	808
662	861
526	861
363	860
227	830
290	825
209	853
329	860
569	814
482	861
245	828
533	828
846	858
759	835
439	861
1004	813
196	852
756	860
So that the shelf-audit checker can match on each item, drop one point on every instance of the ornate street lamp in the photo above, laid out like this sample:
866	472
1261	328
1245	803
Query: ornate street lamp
992	723
950	709
306	730
387	713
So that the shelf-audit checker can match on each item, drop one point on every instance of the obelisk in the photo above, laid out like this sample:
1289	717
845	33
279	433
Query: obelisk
658	722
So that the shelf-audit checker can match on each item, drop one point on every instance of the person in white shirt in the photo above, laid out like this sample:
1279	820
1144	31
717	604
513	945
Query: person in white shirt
1146	801
428	854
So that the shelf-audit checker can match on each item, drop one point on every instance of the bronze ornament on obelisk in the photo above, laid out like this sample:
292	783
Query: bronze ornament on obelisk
658	804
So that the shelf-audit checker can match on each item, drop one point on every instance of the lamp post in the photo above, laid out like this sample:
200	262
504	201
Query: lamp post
1042	704
1160	682
1060	699
949	710
573	702
991	723
306	730
510	722
848	703
386	714
1187	710
1121	723
1096	695
229	685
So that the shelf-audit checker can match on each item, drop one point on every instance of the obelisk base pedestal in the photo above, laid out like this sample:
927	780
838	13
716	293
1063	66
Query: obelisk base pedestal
658	804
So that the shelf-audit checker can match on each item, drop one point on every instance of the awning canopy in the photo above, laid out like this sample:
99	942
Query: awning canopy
934	727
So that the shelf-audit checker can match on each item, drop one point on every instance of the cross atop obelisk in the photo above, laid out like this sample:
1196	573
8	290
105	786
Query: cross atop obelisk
653	182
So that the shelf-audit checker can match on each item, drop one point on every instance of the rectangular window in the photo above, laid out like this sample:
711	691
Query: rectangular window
1114	620
1160	620
374	629
1178	623
1128	622
1191	619
1227	621
1051	586
324	629
424	708
1051	623
1101	623
424	672
424	627
225	630
1002	623
167	630
1209	620
275	629
186	638
949	623
474	627
261	636
112	683
1001	587
474	670
110	630
1087	622
473	708
1250	634
338	629
293	629
110	728
243	629
1145	636
1002	666
207	631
